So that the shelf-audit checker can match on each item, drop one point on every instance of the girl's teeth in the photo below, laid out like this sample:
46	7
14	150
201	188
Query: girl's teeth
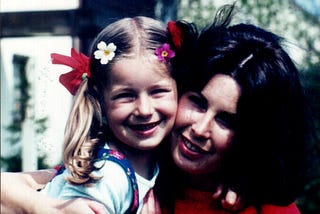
144	127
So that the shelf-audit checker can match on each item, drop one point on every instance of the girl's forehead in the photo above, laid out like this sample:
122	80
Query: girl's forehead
135	72
132	74
134	67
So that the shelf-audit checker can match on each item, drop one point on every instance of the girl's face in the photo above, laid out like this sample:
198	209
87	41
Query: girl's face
204	125
140	102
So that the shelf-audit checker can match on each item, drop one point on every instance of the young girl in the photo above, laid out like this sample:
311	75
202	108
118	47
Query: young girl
125	105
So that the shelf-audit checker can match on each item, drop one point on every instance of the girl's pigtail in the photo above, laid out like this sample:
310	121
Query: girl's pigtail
78	143
85	120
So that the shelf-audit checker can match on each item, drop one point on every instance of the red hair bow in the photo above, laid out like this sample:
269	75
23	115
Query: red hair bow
80	64
175	33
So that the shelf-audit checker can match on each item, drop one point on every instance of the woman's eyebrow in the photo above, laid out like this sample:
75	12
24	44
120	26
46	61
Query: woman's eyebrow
202	98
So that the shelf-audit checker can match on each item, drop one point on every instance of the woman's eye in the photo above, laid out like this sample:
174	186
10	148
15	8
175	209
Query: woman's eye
226	120
198	101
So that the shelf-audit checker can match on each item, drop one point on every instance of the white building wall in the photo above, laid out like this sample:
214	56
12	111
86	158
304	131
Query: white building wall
49	98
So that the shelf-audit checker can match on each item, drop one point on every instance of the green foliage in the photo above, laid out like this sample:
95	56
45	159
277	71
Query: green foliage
310	202
13	163
41	125
197	11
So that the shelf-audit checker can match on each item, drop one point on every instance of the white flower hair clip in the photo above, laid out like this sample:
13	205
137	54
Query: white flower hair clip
105	52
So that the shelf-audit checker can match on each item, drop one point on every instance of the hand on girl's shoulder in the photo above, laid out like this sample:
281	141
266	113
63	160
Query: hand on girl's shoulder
229	200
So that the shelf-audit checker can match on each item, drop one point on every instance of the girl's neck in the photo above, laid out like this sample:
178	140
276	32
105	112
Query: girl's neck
142	161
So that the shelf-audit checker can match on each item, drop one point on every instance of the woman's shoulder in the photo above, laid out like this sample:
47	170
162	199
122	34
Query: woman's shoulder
273	209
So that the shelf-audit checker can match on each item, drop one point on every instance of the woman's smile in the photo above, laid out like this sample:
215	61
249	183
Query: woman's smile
189	149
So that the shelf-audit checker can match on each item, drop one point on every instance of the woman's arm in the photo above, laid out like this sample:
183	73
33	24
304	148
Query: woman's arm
229	200
18	195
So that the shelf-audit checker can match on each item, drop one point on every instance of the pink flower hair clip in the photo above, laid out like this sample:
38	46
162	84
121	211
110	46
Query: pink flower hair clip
164	53
80	64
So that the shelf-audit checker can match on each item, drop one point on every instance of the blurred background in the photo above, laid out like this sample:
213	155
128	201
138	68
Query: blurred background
35	107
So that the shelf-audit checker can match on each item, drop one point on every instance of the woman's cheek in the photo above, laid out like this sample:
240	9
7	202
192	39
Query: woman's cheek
185	114
223	140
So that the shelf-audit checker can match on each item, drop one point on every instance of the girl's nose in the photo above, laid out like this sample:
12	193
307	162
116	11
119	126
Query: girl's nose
144	106
202	127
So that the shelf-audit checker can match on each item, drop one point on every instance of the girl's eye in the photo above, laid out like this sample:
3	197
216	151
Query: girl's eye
198	101
226	120
123	96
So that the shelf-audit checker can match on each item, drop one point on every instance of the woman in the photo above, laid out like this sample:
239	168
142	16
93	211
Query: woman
242	121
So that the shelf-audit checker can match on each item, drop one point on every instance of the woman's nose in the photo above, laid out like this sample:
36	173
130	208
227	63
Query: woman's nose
203	126
144	106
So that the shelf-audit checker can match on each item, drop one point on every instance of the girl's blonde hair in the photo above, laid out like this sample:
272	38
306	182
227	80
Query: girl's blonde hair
85	129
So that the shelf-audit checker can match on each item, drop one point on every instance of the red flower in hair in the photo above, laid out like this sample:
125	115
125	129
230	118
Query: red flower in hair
175	33
80	64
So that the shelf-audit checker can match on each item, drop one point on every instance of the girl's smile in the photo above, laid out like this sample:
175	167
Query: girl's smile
145	130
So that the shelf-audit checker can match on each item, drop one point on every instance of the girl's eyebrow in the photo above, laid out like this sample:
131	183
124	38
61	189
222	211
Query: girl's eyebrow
162	85
119	88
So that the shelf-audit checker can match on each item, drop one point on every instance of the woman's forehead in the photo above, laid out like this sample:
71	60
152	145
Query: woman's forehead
222	90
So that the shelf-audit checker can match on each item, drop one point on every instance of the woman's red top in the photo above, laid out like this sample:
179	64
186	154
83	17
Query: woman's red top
196	201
